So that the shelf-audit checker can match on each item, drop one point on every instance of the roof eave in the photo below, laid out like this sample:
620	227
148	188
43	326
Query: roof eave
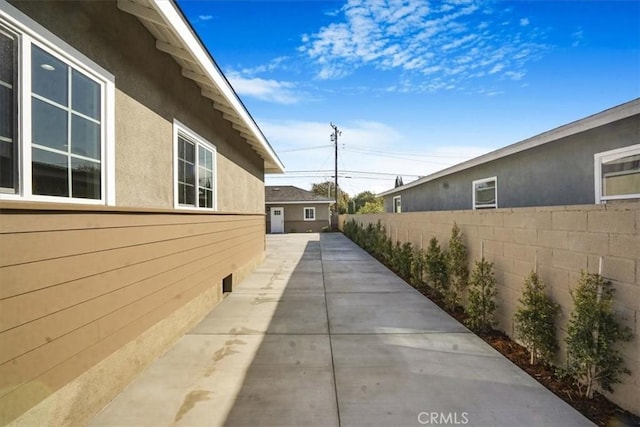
174	36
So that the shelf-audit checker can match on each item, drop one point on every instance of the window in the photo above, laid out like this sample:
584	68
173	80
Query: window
56	118
397	204
309	214
485	193
617	174
195	160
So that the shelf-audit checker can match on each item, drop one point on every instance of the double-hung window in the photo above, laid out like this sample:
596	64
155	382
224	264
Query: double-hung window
485	193
397	204
617	174
309	214
195	169
56	118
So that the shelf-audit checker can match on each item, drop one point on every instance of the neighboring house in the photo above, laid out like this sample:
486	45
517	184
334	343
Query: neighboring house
593	160
132	197
291	209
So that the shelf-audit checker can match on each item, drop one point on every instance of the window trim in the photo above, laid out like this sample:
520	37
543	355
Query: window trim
29	32
607	156
304	213
180	128
394	206
473	193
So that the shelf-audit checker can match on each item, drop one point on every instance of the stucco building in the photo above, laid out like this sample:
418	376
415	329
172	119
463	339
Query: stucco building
592	160
132	197
291	209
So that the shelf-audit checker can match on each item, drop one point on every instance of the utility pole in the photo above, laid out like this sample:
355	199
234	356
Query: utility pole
334	138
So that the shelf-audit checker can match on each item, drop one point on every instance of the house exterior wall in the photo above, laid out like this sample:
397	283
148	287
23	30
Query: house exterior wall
565	240
90	295
294	218
150	93
557	173
78	284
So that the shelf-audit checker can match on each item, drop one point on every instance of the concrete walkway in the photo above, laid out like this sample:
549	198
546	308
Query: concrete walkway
324	335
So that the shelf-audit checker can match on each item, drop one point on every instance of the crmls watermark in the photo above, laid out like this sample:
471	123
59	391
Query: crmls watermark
443	418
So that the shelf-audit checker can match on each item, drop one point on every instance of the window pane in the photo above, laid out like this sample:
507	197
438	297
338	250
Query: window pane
187	151
85	95
486	193
189	174
182	194
49	173
85	137
206	198
49	125
8	111
205	178
190	195
7	54
209	161
6	164
621	176
49	76
85	179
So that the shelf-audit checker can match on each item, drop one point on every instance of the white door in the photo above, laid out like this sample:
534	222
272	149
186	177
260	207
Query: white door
277	220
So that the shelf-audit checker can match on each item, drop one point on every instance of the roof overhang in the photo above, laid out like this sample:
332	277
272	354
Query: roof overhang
605	117
302	202
174	36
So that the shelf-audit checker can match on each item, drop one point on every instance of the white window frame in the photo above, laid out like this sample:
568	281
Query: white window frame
473	193
304	213
607	156
180	128
397	207
31	33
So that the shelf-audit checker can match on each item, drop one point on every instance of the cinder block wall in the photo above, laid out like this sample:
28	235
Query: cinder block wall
564	239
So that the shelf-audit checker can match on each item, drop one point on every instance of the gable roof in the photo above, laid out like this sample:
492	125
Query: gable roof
291	194
605	117
174	36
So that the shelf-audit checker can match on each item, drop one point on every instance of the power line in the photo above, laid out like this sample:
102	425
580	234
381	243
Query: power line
305	149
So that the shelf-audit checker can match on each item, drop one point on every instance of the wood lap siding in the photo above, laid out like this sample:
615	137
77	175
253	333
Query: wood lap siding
77	285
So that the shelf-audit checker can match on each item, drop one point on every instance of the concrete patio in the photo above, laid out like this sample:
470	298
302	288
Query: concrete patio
324	335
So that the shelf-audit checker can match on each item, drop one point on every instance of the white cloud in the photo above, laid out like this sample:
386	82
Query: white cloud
365	146
425	42
205	17
265	90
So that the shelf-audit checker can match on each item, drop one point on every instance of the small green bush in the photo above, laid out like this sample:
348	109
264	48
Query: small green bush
418	263
535	321
593	331
482	292
457	270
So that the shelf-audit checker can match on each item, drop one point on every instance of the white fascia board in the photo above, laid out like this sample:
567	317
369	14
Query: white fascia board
302	202
605	117
174	18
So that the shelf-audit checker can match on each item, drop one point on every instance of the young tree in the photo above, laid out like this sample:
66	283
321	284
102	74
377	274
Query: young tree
457	269
375	206
592	357
535	320
327	189
436	267
482	292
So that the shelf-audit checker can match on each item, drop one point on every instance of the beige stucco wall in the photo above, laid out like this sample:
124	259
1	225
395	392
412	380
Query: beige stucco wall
564	239
150	93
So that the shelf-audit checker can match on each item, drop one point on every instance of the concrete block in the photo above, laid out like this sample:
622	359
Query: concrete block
594	243
493	247
575	220
523	268
503	234
624	245
485	232
520	252
612	221
620	269
553	239
525	236
527	218
491	218
568	260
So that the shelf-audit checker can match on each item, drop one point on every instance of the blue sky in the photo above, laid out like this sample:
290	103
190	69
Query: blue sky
416	86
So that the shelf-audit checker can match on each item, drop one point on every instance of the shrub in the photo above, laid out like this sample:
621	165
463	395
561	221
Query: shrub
418	268
436	267
457	270
535	320
592	358
482	291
